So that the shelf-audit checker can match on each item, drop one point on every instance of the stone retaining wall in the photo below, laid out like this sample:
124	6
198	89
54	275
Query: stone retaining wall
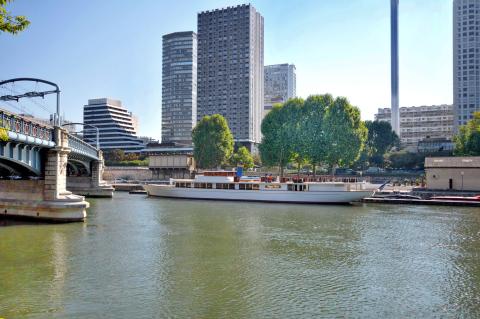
127	173
22	189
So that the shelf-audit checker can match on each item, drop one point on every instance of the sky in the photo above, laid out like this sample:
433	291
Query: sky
113	48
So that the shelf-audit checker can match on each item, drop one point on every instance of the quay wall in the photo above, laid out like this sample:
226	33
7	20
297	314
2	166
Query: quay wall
141	173
22	189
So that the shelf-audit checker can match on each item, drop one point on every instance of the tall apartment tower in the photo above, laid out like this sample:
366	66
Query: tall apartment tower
466	55
280	84
179	87
394	65
230	69
117	126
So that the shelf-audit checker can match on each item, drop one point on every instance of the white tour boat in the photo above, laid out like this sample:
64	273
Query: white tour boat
222	185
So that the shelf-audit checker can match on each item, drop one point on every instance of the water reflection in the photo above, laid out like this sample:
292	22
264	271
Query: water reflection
144	258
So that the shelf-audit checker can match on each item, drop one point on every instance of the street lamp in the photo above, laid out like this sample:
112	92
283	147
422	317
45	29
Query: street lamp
89	125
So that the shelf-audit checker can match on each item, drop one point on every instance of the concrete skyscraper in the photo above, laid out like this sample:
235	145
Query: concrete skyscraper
179	87
466	55
280	84
394	65
230	69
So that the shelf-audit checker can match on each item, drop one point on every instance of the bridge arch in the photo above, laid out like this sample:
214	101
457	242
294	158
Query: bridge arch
15	167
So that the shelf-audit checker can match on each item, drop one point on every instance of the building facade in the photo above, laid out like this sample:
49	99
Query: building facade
280	84
453	173
115	124
420	122
170	160
466	56
179	87
230	69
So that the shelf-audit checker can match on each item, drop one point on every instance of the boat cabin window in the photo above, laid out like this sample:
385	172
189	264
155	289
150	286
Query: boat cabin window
297	187
201	185
225	186
273	186
249	187
183	184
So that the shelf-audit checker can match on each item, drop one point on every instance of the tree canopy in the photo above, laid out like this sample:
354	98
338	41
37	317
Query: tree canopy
213	141
467	141
9	23
345	133
243	157
381	139
319	130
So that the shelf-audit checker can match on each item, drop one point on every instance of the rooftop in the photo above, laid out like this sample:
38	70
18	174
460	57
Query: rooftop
453	162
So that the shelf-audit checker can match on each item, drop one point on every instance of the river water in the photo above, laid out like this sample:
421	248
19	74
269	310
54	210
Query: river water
138	257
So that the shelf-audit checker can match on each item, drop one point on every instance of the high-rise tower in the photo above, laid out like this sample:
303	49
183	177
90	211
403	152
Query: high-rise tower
179	87
280	84
394	65
230	69
466	59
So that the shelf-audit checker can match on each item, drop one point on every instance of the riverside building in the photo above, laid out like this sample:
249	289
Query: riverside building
117	126
280	84
466	55
179	87
418	123
230	70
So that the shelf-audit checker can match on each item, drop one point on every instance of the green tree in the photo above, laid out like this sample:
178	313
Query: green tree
345	133
404	159
114	156
381	139
467	141
315	108
213	141
9	23
278	145
243	156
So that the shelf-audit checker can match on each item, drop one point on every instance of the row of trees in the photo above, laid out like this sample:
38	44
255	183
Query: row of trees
118	157
214	145
320	130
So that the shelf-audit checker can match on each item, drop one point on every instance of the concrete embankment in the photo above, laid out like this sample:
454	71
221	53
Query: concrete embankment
436	202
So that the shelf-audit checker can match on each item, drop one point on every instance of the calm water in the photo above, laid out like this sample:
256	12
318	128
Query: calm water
156	258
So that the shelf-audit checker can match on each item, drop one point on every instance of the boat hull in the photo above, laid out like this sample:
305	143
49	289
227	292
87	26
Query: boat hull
280	196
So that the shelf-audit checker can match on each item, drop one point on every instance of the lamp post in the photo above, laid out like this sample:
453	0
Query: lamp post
89	125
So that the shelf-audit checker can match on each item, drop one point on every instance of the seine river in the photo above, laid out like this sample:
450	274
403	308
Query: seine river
138	257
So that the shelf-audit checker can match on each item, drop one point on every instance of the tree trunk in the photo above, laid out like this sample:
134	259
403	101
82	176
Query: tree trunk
314	170
281	171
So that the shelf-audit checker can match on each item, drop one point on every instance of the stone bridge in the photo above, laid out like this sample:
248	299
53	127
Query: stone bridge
42	165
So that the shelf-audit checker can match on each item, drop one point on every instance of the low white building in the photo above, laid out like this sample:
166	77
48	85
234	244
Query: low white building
453	173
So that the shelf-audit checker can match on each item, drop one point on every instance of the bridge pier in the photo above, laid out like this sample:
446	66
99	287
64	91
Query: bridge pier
46	199
93	185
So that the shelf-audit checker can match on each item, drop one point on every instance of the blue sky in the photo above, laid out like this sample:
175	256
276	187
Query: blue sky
113	48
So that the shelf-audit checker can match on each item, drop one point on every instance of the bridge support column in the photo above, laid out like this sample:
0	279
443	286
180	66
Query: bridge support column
94	185
45	199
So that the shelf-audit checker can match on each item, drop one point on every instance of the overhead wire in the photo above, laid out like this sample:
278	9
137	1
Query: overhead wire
12	90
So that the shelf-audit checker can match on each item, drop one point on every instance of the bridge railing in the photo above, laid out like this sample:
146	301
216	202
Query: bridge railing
26	126
79	146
